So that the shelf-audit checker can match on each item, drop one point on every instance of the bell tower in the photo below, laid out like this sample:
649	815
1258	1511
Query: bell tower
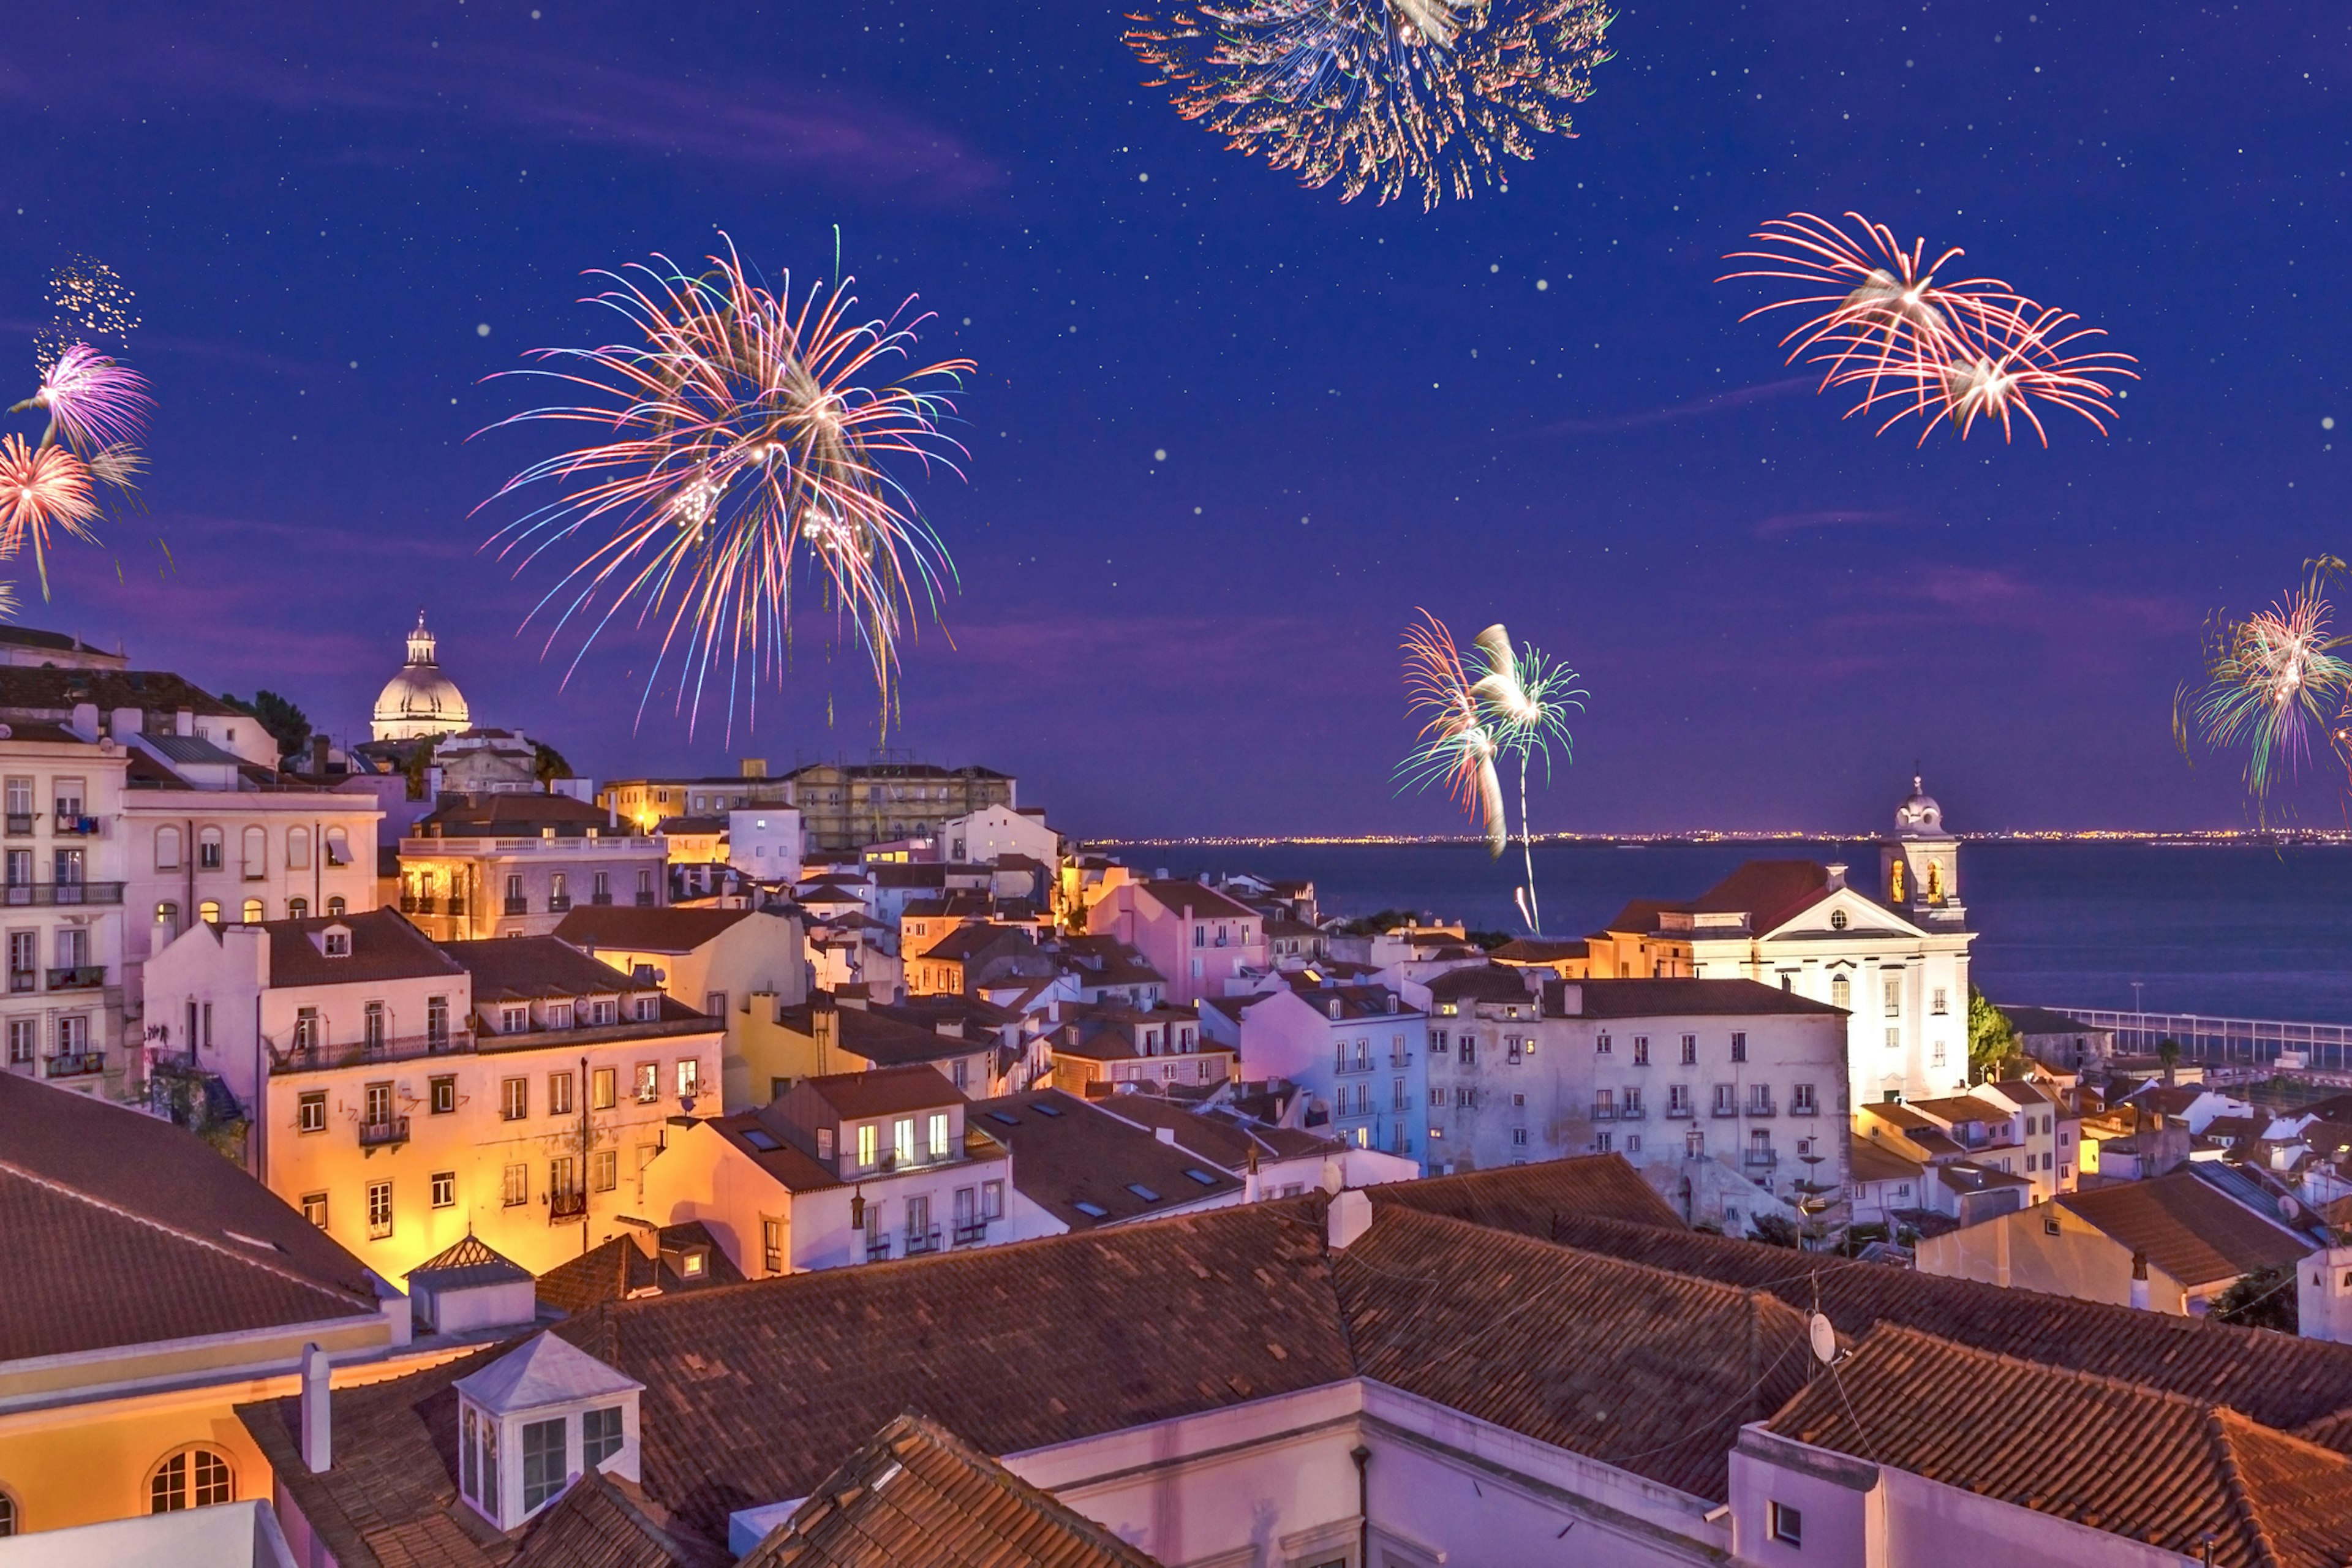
1919	864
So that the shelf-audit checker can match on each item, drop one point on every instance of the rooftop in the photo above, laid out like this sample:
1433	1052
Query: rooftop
1682	997
2188	1229
632	930
1087	1167
619	1269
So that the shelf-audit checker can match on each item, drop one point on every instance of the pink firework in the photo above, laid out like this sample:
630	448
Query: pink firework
42	488
2002	373
90	400
744	445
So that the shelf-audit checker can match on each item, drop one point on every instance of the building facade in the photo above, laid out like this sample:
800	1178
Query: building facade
848	805
515	865
1196	937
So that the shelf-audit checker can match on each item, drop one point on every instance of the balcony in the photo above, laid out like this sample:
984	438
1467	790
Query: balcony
309	1055
43	894
77	1064
391	1132
972	1233
24	979
1631	1113
1723	1109
1760	1107
1400	1058
514	907
1760	1159
600	898
1604	1111
20	823
419	904
567	1208
1805	1108
77	977
456	903
556	904
878	1249
920	1242
1678	1112
645	901
73	824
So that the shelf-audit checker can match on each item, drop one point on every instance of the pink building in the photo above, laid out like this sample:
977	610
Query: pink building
1196	936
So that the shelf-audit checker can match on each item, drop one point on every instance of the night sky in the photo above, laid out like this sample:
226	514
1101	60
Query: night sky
1363	409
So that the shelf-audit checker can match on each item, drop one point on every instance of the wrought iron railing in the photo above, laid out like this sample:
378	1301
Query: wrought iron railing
923	1240
382	1134
77	977
41	894
77	1064
314	1057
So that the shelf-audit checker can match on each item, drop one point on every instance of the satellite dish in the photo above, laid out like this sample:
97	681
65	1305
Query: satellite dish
1823	1337
2289	1208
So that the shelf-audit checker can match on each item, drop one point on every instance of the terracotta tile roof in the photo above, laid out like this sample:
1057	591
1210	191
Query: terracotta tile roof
884	1090
384	946
529	968
1067	1152
601	1522
1874	1162
918	1496
2187	1229
2115	1455
1642	1368
1206	903
1480	982
519	816
619	1269
880	1039
45	691
1539	950
2278	1380
126	1230
647	931
768	1140
1526	1198
1607	998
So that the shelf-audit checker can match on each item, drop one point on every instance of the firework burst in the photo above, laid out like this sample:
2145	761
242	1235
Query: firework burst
1917	345
1527	698
2270	678
89	302
742	438
1380	95
1455	744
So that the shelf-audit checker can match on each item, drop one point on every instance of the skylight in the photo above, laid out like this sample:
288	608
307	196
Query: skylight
760	1139
1092	1211
1041	1109
1203	1177
1141	1191
1008	1121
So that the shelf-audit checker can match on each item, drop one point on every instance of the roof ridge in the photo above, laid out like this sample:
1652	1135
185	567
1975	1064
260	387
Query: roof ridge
2236	1486
1714	1286
2092	1379
10	1167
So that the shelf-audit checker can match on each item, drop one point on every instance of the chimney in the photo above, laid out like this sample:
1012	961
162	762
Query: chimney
1165	1134
1837	877
644	1233
319	749
1350	1215
183	723
125	723
318	1413
85	720
2140	1281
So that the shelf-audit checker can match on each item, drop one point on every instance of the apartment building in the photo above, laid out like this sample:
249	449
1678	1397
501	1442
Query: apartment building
404	1093
644	803
848	805
1360	1053
845	1168
1111	1043
515	865
1200	939
63	853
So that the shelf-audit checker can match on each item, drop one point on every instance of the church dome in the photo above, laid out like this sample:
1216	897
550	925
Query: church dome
420	700
1919	813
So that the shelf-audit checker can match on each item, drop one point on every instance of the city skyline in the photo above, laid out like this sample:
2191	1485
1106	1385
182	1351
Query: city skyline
320	217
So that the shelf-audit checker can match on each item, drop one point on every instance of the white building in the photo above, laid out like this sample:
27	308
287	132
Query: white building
1897	963
1360	1052
993	830
63	854
763	842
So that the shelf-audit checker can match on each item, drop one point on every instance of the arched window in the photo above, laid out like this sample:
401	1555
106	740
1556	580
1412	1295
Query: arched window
1895	883
338	847
167	849
1840	992
337	905
297	848
298	908
209	911
208	848
193	1477
255	853
252	910
12	1518
1934	882
167	924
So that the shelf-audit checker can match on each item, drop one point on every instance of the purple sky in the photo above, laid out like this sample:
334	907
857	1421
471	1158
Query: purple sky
1371	408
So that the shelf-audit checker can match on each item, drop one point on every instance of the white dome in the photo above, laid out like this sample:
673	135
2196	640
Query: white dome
1919	813
420	700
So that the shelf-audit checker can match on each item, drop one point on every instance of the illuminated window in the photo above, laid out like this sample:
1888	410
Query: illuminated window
193	1477
379	1200
209	912
252	911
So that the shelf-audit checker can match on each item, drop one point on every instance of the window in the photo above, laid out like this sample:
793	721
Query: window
69	799
1894	1039
772	1244
936	1143
167	848
1641	1050
379	1196
1437	1097
208	849
514	1098
1468	1048
437	1022
20	799
1679	1099
601	1089
297	848
1894	991
542	1462
559	1014
869	1139
689	1077
648	1082
1519	1137
604	1170
24	1037
469	1469
377	1098
600	1436
254	860
310	1112
1690	1050
1936	1054
442	1094
514	1020
648	1008
253	911
517	1184
1739	1045
902	1140
1724	1104
1801	1100
1787	1524
445	1189
193	1477
314	1209
1840	992
559	1094
1600	1143
1837	920
1465	1098
209	911
338	906
1936	1002
992	1200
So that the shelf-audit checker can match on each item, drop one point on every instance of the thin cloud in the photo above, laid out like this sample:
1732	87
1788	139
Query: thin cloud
1717	403
1783	523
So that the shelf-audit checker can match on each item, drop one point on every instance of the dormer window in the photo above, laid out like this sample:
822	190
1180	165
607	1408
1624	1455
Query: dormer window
1334	1008
534	1419
335	941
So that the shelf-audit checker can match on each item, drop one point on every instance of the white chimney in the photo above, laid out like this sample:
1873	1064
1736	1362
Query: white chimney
85	720
2139	1281
1350	1215
1837	877
125	723
1165	1134
318	1412
183	723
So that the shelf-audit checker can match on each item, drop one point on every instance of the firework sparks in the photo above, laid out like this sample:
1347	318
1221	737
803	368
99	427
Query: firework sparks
90	400
1455	743
741	448
2270	678
1383	95
1884	319
1526	699
42	488
88	301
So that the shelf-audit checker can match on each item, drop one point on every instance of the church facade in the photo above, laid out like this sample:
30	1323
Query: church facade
1894	955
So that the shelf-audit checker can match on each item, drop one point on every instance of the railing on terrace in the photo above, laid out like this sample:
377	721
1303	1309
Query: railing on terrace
295	1057
970	1233
391	1131
2220	1041
77	977
920	1242
45	893
77	1064
565	1207
613	843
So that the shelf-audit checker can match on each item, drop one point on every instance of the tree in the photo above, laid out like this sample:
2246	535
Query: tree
2168	1051
420	759
1992	1038
1773	1230
548	764
2263	1300
287	724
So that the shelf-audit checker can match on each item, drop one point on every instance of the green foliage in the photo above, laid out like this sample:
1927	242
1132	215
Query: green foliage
1773	1230
548	764
2263	1300
420	759
1488	940
287	724
1993	1040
